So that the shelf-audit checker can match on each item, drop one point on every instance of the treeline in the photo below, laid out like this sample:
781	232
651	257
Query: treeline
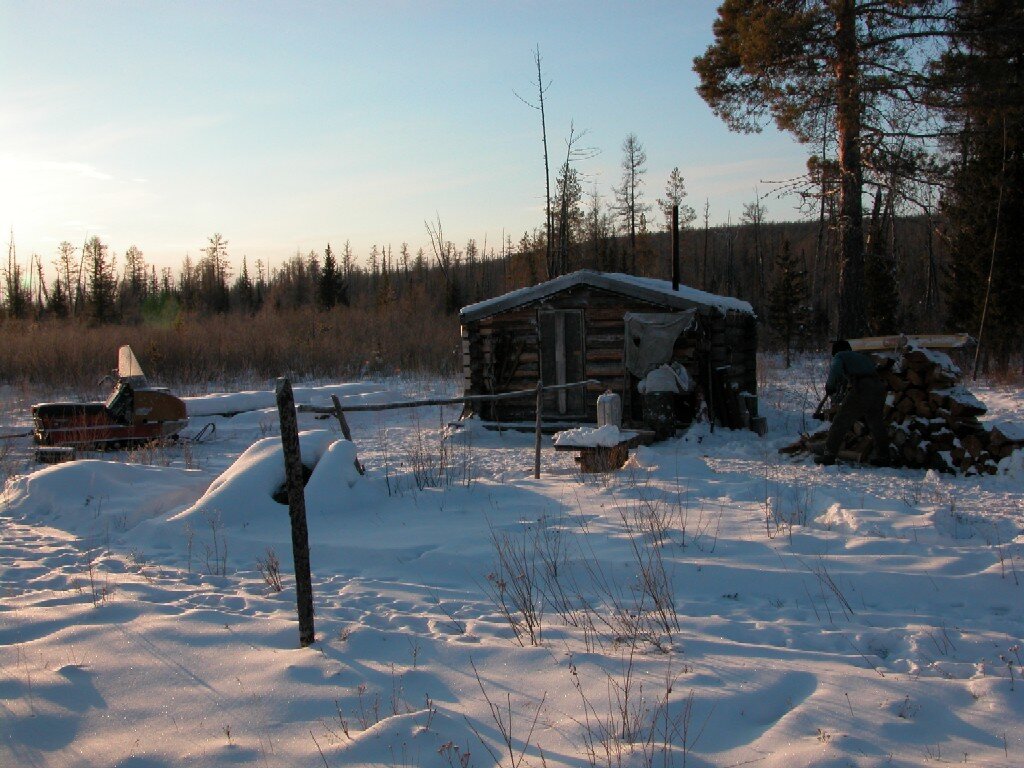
333	312
330	313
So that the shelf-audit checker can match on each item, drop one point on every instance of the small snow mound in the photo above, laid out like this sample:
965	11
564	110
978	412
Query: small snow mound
243	494
1011	431
336	471
89	495
1012	466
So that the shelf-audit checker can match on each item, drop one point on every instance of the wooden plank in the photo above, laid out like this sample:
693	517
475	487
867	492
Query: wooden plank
605	341
605	370
603	355
929	340
608	325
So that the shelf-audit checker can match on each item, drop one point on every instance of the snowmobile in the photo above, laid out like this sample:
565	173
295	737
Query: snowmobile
133	414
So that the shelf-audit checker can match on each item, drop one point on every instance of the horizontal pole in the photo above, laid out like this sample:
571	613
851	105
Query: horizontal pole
19	434
520	394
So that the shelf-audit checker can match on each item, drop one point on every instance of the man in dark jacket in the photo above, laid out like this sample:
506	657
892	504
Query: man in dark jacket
865	398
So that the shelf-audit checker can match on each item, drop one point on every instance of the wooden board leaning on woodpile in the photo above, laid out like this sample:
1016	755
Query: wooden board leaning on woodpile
932	418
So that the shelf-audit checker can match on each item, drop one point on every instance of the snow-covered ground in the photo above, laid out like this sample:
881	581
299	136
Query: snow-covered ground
713	603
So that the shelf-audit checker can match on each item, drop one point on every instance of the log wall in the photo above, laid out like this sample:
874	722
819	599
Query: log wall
501	352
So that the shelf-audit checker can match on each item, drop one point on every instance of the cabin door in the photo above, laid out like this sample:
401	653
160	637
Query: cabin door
562	360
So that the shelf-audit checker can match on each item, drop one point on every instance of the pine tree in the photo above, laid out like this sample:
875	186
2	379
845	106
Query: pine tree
984	202
856	63
788	308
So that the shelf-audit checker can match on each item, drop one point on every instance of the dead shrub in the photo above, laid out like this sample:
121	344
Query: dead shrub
195	351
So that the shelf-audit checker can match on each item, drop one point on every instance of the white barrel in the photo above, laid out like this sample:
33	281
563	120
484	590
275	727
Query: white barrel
609	409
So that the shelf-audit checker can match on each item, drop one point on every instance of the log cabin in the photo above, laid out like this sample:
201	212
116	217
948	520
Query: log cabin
574	328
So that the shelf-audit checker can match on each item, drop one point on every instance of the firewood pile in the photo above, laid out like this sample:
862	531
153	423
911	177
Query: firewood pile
932	418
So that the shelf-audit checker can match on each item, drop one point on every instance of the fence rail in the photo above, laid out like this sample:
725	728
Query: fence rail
338	410
518	394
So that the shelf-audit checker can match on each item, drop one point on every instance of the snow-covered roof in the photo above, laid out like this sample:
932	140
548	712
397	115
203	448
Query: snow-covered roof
644	288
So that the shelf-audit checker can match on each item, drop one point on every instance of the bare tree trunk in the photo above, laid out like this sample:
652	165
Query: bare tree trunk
932	289
547	173
704	267
992	260
852	312
818	247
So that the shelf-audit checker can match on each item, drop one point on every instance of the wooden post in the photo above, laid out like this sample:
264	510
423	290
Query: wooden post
296	509
536	438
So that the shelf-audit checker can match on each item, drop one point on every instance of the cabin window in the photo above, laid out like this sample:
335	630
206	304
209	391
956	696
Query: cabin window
562	360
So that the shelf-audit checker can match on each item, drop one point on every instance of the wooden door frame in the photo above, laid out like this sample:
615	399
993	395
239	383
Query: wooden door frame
562	403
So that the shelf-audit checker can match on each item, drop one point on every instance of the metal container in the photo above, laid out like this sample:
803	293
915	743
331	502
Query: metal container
609	409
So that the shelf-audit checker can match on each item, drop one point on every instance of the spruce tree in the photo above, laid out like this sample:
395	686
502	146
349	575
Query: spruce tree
101	280
329	290
788	309
675	192
243	288
883	299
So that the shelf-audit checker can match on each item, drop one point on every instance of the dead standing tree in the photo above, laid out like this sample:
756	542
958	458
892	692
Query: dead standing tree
447	260
569	194
549	258
629	196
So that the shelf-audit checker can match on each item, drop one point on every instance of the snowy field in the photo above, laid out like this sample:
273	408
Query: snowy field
711	604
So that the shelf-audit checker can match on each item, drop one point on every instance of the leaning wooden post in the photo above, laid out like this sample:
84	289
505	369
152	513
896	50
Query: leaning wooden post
340	416
536	437
296	509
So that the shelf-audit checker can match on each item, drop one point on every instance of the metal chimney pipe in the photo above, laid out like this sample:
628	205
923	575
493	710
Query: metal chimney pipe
675	247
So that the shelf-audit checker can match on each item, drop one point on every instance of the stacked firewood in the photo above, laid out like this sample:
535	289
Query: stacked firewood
932	418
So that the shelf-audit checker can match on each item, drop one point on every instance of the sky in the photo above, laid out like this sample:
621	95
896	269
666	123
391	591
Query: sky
285	126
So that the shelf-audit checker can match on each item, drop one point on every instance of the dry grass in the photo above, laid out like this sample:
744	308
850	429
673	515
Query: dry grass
197	350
